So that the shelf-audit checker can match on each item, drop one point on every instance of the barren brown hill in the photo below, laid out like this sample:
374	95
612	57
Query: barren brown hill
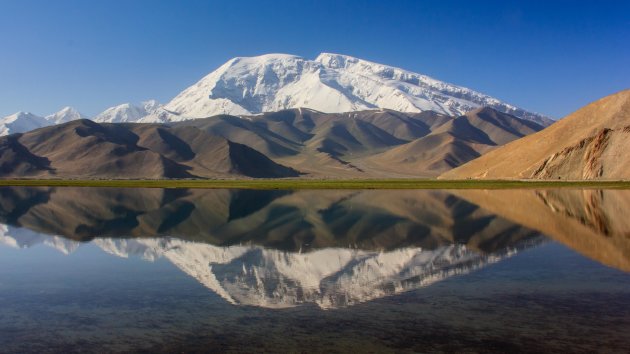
454	143
322	144
591	143
362	144
379	143
85	149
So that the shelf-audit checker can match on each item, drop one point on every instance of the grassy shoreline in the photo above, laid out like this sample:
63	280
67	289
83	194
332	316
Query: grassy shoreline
320	184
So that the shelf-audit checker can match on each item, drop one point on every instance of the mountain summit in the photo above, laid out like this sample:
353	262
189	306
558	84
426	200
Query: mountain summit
331	83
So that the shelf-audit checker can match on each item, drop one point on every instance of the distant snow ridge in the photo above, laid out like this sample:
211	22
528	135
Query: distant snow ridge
22	122
18	237
127	112
65	115
330	83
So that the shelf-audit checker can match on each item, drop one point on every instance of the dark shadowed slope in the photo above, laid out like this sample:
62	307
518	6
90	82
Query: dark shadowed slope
372	143
362	144
85	149
454	143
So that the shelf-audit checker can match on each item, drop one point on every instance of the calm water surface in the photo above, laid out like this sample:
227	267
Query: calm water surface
159	270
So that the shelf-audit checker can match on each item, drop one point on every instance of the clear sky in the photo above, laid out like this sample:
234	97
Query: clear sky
546	56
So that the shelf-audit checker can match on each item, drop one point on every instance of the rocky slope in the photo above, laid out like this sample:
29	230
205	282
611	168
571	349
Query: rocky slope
357	144
83	148
454	143
375	143
591	143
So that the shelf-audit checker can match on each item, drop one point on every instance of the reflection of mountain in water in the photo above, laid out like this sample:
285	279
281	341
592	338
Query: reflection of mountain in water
329	277
274	248
592	222
332	248
286	220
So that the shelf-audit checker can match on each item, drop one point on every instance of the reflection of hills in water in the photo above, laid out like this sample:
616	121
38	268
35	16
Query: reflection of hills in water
274	248
286	220
592	222
332	248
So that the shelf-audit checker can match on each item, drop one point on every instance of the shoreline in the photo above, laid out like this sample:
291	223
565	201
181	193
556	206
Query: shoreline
317	183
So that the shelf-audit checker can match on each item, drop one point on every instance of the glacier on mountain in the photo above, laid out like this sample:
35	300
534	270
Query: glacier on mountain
331	83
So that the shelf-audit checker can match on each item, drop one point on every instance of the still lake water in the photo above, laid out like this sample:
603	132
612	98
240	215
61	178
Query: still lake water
176	270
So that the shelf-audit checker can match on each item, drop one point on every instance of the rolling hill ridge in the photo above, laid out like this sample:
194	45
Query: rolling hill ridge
591	143
373	143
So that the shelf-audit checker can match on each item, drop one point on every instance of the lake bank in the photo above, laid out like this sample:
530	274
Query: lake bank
318	183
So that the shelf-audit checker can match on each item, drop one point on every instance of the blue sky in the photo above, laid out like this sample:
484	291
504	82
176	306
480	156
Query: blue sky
546	56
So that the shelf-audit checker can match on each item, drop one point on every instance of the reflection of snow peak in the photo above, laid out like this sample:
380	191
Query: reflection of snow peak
252	275
18	237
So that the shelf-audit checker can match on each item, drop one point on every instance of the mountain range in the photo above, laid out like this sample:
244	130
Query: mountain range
289	143
336	116
331	83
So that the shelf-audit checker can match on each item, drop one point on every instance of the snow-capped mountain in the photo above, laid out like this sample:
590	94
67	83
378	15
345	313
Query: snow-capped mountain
66	114
256	276
21	122
127	112
330	83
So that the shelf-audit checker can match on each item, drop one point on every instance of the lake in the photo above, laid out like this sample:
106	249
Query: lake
212	270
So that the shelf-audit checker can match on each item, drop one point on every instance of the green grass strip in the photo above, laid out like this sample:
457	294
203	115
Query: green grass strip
319	184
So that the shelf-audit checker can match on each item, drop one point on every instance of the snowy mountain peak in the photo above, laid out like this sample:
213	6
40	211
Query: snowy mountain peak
127	112
20	122
150	106
21	115
330	83
337	61
66	114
